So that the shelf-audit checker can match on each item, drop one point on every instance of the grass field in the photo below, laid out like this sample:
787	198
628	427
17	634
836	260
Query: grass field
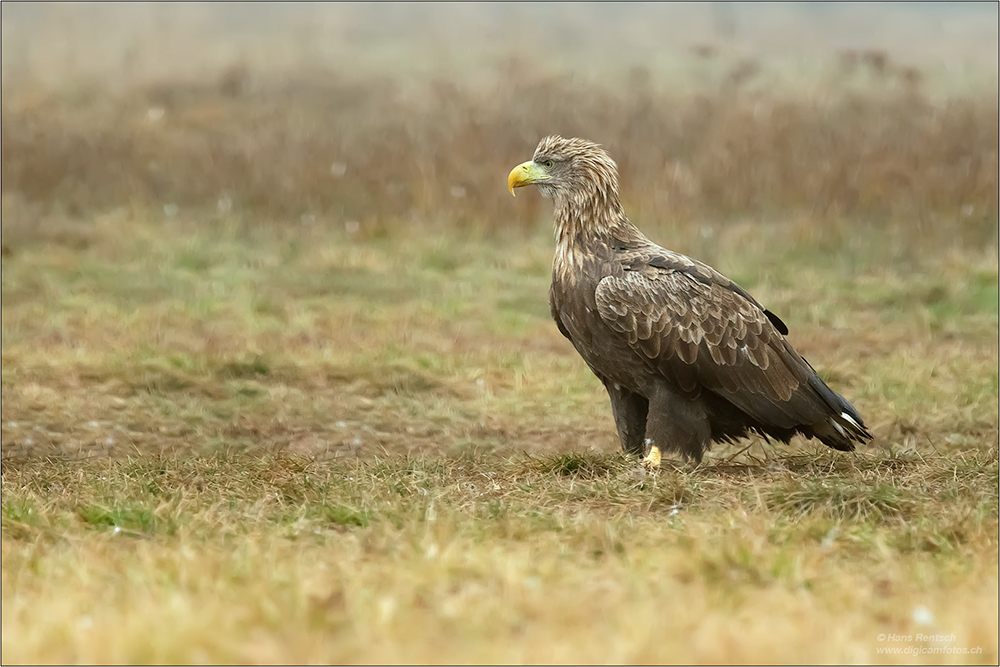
236	444
280	382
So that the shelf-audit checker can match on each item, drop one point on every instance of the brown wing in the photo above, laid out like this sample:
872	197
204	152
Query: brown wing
700	331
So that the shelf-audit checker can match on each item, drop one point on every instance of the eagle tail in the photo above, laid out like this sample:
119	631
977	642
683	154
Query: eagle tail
844	426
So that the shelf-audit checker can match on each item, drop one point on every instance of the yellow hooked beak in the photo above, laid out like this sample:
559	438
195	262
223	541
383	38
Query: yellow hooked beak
525	174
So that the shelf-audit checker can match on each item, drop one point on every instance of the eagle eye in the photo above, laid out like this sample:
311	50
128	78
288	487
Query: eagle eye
546	163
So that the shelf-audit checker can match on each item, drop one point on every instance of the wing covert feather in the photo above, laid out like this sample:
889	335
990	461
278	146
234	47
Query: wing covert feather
699	332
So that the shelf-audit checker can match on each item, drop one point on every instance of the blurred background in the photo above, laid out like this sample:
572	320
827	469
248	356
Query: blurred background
372	117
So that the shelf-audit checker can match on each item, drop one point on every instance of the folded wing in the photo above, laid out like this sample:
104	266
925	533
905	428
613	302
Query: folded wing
700	331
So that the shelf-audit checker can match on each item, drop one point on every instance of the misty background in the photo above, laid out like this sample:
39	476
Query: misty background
55	43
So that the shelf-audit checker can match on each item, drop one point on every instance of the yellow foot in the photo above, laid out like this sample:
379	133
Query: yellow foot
652	460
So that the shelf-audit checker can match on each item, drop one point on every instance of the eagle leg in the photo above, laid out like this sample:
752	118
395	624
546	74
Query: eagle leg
652	460
630	411
676	423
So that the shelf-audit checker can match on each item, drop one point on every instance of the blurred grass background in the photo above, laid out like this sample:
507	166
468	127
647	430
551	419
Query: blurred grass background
372	119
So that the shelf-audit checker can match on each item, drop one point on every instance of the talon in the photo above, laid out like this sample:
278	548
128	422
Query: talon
652	460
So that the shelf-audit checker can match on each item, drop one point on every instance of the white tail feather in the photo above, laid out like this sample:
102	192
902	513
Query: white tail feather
850	419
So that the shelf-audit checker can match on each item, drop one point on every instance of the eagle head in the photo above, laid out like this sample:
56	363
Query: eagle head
568	169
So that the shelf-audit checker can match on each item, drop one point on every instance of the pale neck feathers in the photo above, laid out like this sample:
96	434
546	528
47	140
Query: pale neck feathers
591	211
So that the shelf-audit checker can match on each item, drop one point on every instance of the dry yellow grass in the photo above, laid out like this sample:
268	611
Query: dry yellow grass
280	382
497	560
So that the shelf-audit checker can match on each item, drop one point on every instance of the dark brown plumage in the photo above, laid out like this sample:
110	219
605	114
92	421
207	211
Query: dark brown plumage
687	356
